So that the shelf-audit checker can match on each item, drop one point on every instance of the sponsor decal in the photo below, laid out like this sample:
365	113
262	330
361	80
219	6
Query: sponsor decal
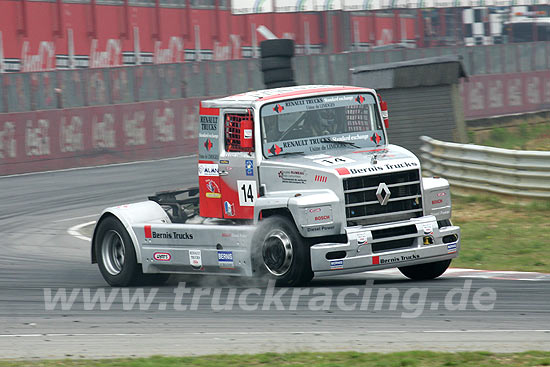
275	149
314	210
336	264
162	256
428	229
360	99
208	169
226	234
168	235
396	258
439	194
249	167
229	208
292	177
224	161
195	259
209	123
334	160
375	138
324	218
248	133
320	178
451	248
208	144
362	238
213	189
343	171
438	201
225	260
376	260
278	108
320	229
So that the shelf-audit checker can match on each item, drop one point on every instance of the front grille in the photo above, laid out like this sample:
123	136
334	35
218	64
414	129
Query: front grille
393	232
392	245
363	207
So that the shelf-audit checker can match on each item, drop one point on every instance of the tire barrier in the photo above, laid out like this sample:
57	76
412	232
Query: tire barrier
518	173
276	63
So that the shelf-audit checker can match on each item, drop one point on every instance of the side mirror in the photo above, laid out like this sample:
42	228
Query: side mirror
384	109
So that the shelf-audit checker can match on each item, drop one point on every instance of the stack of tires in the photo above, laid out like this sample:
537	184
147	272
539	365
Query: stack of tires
275	63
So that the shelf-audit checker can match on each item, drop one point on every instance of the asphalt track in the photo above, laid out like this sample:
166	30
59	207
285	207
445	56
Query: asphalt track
39	256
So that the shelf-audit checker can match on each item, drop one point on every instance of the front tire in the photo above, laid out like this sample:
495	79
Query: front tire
115	254
425	271
280	253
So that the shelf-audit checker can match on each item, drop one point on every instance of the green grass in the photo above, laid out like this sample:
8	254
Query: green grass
523	137
342	359
498	236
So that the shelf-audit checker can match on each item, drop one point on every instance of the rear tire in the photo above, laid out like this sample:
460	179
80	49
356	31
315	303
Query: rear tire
115	254
280	253
425	271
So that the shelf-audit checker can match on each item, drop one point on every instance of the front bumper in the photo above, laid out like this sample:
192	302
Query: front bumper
364	250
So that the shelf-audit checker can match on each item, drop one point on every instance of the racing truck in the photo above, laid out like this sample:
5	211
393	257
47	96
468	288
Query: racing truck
293	183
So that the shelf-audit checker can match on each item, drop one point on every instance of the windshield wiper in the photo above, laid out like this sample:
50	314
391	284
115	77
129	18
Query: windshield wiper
286	153
341	142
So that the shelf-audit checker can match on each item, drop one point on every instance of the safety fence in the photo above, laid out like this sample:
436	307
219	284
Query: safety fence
22	92
523	174
79	137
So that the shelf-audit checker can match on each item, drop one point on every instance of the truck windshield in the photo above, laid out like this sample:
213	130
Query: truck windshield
316	124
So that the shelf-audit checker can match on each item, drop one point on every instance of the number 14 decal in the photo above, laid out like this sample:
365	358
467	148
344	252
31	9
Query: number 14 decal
247	192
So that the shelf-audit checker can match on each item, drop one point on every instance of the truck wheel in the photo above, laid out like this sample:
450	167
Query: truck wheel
425	271
116	255
280	253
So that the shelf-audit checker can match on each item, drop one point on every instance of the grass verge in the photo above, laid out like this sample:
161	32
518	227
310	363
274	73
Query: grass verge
400	359
522	137
498	236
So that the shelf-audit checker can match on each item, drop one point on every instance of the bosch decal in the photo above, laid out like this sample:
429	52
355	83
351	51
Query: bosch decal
162	256
439	201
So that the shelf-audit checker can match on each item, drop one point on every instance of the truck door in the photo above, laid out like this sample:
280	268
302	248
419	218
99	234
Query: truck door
237	166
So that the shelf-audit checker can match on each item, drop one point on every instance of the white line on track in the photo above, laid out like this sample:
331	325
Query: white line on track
98	166
75	231
487	331
75	218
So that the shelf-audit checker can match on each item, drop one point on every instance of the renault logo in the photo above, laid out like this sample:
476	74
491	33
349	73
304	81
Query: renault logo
383	193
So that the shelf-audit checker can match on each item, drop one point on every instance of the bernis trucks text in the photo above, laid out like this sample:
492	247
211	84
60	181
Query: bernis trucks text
292	182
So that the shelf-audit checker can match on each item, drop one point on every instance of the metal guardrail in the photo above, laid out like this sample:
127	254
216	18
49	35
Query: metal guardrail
519	173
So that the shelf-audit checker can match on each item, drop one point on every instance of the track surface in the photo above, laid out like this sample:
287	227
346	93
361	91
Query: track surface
37	253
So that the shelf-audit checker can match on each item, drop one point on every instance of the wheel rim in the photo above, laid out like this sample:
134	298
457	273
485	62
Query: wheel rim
277	252
113	252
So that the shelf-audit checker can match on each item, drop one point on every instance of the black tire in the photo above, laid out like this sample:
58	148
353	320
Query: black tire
277	47
115	254
280	253
278	75
425	271
289	83
275	62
